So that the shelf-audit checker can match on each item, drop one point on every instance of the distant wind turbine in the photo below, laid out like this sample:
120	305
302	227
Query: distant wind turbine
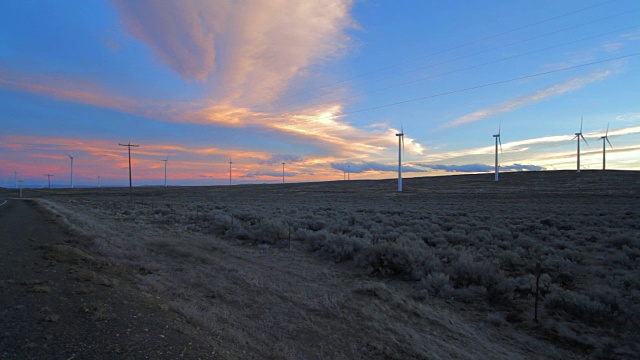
498	141
578	136
604	139
15	174
283	172
165	169
71	158
98	181
400	152
230	162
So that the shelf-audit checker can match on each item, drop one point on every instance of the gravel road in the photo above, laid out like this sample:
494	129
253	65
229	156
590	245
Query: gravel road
58	302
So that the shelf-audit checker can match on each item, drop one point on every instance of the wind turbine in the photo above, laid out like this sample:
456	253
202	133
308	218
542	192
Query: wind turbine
283	172
604	139
165	169
578	136
98	181
498	141
230	162
71	158
15	175
400	152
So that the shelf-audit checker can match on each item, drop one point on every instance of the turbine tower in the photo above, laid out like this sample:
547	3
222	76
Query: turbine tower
604	139
230	162
283	172
15	175
71	158
578	136
400	152
165	169
498	141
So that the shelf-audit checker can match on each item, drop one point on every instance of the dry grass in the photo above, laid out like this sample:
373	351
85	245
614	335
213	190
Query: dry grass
376	274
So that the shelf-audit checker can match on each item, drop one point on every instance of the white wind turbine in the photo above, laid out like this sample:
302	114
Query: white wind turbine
498	141
400	152
578	136
165	169
604	139
230	162
71	158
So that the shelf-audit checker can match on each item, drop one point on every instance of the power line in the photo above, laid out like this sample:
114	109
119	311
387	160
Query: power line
486	63
469	43
469	55
485	85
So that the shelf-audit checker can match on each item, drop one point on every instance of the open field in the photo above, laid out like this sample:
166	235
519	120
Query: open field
446	269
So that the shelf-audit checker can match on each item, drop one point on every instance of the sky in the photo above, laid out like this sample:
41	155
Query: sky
321	85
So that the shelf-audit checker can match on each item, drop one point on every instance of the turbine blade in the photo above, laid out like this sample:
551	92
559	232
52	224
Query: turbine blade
499	127
402	143
606	138
607	133
580	124
585	140
500	142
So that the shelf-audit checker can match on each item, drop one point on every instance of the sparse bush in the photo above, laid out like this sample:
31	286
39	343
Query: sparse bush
577	306
466	272
437	284
219	224
619	241
471	294
391	260
342	248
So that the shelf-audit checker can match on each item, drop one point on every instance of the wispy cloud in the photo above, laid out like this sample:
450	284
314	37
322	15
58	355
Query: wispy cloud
254	47
474	168
555	90
372	166
262	174
526	144
279	158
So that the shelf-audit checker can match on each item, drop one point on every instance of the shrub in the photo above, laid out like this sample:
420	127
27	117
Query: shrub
342	248
577	306
624	240
391	260
466	272
436	284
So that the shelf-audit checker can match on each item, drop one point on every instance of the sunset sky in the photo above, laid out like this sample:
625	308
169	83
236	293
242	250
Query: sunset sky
320	85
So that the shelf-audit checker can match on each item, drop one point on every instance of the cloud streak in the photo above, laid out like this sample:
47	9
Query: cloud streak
372	166
555	90
474	168
254	47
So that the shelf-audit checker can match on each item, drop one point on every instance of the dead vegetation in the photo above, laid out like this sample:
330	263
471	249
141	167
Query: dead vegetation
239	261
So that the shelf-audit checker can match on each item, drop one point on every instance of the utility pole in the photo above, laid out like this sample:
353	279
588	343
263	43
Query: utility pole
49	179
129	145
348	172
283	173
230	162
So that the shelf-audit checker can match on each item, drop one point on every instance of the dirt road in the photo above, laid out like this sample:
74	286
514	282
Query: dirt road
57	302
